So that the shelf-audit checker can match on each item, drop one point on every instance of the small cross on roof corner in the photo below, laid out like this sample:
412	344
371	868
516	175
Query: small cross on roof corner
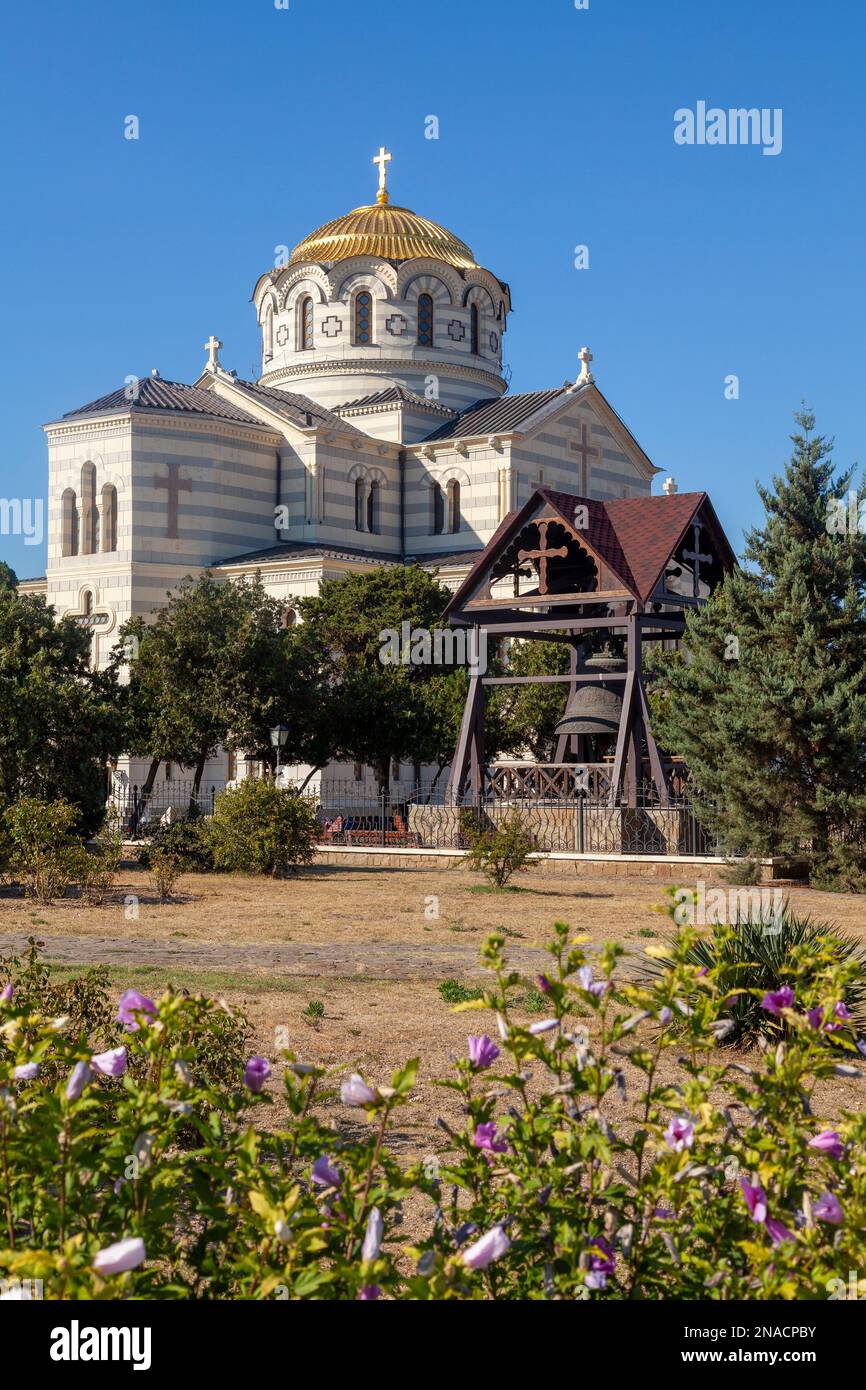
586	377
212	347
669	487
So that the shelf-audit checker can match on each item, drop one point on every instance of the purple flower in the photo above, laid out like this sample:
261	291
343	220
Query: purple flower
117	1259
27	1071
256	1073
373	1236
666	1015
601	1263
777	1231
324	1173
827	1209
111	1063
355	1091
544	1025
369	1293
756	1201
842	1012
132	1003
828	1142
775	1000
486	1249
485	1138
78	1079
6	993
680	1134
482	1051
543	984
587	982
861	1046
815	1017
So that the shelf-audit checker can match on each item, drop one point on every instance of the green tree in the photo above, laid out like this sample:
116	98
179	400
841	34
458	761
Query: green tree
8	577
59	721
215	667
768	704
530	713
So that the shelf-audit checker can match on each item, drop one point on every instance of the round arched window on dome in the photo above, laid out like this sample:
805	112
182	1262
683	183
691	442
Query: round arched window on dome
305	324
425	320
364	317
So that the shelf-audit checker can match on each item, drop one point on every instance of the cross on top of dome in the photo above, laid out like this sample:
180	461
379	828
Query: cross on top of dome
383	159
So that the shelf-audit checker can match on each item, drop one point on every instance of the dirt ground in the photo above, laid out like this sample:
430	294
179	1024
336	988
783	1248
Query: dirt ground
371	946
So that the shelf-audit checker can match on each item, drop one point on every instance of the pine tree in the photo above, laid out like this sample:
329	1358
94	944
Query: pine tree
767	705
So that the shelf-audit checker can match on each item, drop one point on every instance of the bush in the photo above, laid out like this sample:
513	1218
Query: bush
699	1180
187	840
762	953
260	828
498	851
165	870
43	854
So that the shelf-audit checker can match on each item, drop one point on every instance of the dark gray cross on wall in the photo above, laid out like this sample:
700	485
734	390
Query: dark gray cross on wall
174	485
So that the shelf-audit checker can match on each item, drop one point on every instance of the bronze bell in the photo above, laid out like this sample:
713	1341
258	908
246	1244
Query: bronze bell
594	709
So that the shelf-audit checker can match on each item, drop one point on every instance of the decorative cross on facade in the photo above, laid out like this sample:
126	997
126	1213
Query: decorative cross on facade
542	555
383	159
585	449
212	347
698	559
174	485
586	377
93	620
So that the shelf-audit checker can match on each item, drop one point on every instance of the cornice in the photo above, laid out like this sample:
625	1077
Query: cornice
353	366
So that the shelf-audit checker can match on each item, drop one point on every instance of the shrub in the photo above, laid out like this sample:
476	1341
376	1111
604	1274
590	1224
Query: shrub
165	870
700	1179
260	828
763	952
97	866
498	851
187	840
44	856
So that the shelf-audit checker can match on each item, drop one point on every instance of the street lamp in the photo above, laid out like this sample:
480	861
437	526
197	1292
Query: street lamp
279	736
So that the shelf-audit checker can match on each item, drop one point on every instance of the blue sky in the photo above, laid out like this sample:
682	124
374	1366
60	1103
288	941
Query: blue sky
556	129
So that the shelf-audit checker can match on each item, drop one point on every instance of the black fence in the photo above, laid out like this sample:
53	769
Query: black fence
139	814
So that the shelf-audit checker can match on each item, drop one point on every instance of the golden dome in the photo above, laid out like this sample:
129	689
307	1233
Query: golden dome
394	233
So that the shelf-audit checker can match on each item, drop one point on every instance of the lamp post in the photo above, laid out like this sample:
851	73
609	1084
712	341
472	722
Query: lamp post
279	735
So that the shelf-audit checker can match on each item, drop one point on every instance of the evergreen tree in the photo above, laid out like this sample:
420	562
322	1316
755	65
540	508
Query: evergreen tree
767	704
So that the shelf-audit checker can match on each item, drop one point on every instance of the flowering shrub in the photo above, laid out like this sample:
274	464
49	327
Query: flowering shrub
614	1158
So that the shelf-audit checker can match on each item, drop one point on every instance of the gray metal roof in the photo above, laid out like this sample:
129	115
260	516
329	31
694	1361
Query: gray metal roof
398	394
300	410
154	393
496	414
304	550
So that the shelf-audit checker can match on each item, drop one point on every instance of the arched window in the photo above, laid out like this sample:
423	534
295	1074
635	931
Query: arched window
268	338
475	329
425	320
87	604
364	317
453	505
69	523
289	618
89	528
305	324
109	517
438	509
373	508
360	504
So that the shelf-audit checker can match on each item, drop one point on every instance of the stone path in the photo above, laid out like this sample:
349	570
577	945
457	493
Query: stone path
376	960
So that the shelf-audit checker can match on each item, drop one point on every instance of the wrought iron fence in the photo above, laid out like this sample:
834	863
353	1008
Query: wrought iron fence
139	813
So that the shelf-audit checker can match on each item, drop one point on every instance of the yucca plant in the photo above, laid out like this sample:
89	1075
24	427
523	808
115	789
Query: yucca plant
762	951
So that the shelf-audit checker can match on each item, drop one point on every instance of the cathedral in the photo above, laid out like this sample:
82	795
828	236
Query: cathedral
379	432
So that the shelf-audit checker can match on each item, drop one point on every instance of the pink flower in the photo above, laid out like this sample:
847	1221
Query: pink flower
680	1134
256	1073
117	1259
756	1201
132	1003
369	1293
324	1173
485	1138
482	1051
111	1063
78	1079
489	1247
777	1231
6	993
828	1142
355	1091
775	1000
827	1209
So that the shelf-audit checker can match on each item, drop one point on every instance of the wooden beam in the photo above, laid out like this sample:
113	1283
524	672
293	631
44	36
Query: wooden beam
463	751
550	680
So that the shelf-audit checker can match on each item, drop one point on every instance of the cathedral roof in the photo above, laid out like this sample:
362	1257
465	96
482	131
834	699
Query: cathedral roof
382	229
153	393
300	410
394	395
498	413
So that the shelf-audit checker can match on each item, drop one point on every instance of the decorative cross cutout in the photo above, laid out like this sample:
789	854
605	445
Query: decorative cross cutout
542	555
397	325
212	347
282	335
698	558
456	330
174	485
383	159
332	326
